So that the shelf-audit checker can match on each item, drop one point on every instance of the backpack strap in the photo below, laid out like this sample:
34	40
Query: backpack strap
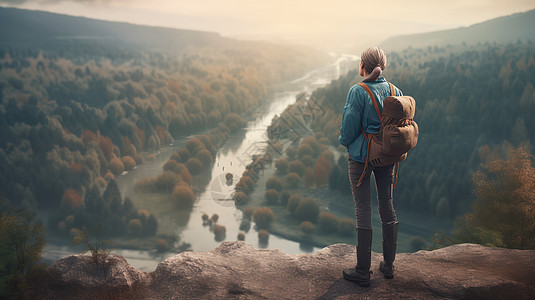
392	90
375	105
393	94
369	138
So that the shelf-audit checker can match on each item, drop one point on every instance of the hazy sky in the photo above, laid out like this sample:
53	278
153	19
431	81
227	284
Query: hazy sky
320	19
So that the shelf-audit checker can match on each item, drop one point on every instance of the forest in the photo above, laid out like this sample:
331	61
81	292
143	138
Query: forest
474	105
73	119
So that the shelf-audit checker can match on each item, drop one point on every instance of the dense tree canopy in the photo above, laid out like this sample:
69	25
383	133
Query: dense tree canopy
474	104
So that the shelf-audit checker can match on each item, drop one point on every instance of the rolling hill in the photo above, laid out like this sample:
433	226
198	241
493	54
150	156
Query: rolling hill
507	29
27	28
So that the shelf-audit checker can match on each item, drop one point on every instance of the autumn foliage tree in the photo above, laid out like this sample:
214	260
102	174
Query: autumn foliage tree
504	212
183	195
71	198
505	202
322	170
22	241
263	217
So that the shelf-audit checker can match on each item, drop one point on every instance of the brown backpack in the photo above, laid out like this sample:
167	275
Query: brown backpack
397	135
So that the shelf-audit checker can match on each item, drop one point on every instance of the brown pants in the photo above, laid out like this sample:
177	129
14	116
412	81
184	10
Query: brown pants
384	183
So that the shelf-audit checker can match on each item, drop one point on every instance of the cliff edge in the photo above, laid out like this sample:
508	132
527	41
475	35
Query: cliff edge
237	270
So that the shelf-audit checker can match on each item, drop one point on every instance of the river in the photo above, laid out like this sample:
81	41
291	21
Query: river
232	157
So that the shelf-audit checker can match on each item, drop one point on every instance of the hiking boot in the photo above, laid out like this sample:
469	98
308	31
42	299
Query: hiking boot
387	270
361	277
390	236
361	273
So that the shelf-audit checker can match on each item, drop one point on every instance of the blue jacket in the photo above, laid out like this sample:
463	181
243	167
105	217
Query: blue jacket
360	113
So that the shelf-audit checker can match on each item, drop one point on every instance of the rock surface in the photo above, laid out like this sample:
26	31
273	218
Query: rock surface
238	271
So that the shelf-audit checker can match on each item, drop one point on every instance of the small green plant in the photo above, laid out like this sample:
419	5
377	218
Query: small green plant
95	245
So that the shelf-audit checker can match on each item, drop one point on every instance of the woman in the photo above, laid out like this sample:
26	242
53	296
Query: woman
359	115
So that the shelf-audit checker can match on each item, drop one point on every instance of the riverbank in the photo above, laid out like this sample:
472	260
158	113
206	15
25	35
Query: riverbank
412	225
231	157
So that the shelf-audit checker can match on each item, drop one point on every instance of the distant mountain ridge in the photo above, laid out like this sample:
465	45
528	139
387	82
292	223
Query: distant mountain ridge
506	29
28	28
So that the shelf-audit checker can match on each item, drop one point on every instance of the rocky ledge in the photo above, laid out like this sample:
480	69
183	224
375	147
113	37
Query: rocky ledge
237	270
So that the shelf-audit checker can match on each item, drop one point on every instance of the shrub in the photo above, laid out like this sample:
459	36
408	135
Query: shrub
263	217
251	173
313	143
71	198
220	231
128	162
176	157
307	227
183	196
307	160
242	187
322	170
109	175
309	177
161	245
272	196
297	166
240	197
241	236
328	155
303	150
234	121
184	154
116	166
282	165
194	145
283	197
229	177
245	224
166	181
135	227
292	179
307	210
194	166
204	218
248	181
173	166
263	236
207	142
328	222
205	157
248	212
186	176
274	183
346	227
139	159
215	218
293	202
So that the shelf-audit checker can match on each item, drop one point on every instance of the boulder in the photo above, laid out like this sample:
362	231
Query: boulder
81	275
237	270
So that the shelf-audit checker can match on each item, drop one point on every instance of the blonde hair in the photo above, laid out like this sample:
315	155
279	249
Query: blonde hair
373	61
